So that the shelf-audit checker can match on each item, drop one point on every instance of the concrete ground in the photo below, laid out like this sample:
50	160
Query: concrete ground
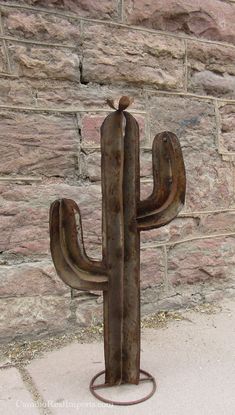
193	361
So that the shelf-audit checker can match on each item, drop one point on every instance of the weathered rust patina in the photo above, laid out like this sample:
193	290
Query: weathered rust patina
124	215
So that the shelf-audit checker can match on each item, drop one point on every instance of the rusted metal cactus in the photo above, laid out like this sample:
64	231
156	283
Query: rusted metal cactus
124	215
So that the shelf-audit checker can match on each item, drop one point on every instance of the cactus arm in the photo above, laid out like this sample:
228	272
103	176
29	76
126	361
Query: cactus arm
161	176
169	179
79	279
72	244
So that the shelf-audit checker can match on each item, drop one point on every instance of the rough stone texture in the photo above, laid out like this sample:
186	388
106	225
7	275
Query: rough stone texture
33	316
209	179
132	57
227	121
3	64
176	230
62	94
16	92
211	69
211	19
221	222
104	9
152	269
91	165
191	226
44	62
201	260
192	120
211	83
41	27
88	310
39	144
181	296
31	279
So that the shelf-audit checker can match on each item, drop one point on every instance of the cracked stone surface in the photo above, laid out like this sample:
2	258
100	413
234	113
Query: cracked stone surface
14	396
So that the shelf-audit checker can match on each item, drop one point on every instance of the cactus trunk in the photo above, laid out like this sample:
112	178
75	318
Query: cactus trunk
120	190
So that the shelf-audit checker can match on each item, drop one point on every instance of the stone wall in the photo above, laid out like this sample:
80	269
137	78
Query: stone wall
60	60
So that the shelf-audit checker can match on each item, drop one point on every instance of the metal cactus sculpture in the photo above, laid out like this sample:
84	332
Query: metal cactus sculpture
124	215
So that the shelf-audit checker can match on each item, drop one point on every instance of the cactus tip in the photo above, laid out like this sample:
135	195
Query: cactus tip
124	102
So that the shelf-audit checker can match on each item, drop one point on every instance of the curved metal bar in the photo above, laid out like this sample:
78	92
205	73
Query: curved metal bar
63	268
153	213
72	239
161	167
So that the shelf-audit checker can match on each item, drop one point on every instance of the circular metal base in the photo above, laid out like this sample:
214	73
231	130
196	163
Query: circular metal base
147	377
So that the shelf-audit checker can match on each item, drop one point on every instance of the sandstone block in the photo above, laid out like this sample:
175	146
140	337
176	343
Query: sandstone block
211	83
132	57
31	279
3	63
88	311
62	94
220	222
209	181
191	225
152	267
211	69
211	56
192	120
227	119
211	19
39	144
201	261
44	62
178	229
90	131
16	92
33	316
41	26
104	9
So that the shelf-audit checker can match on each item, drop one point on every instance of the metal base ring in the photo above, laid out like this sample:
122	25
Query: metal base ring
93	388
